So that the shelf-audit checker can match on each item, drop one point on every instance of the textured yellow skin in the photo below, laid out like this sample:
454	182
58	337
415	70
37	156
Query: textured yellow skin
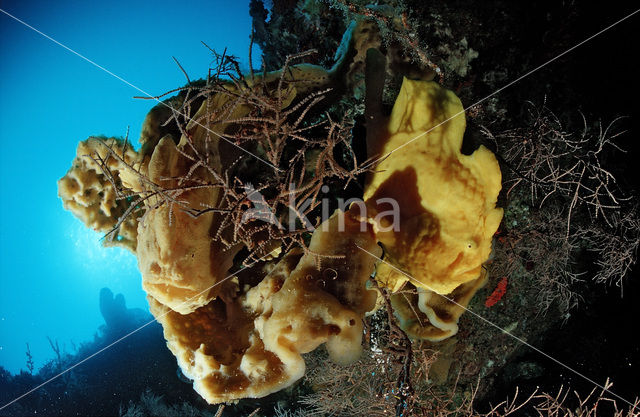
447	199
177	257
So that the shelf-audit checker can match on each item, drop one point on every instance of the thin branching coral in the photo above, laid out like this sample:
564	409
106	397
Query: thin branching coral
564	205
265	116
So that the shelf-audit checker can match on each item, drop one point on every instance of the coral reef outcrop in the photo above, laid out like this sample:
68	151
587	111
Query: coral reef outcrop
238	325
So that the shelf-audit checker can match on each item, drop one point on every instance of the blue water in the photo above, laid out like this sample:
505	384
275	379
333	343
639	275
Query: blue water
51	267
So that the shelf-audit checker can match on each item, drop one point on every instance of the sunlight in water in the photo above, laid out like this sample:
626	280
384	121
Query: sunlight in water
89	252
101	266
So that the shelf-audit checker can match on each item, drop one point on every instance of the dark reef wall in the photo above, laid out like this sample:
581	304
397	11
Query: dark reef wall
120	373
504	41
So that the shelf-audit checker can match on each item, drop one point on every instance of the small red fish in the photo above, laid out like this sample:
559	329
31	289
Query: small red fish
497	294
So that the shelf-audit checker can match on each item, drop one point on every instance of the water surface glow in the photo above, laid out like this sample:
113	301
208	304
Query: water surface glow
51	267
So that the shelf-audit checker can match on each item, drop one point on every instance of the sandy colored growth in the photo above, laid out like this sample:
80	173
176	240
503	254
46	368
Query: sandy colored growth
250	345
239	310
91	195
